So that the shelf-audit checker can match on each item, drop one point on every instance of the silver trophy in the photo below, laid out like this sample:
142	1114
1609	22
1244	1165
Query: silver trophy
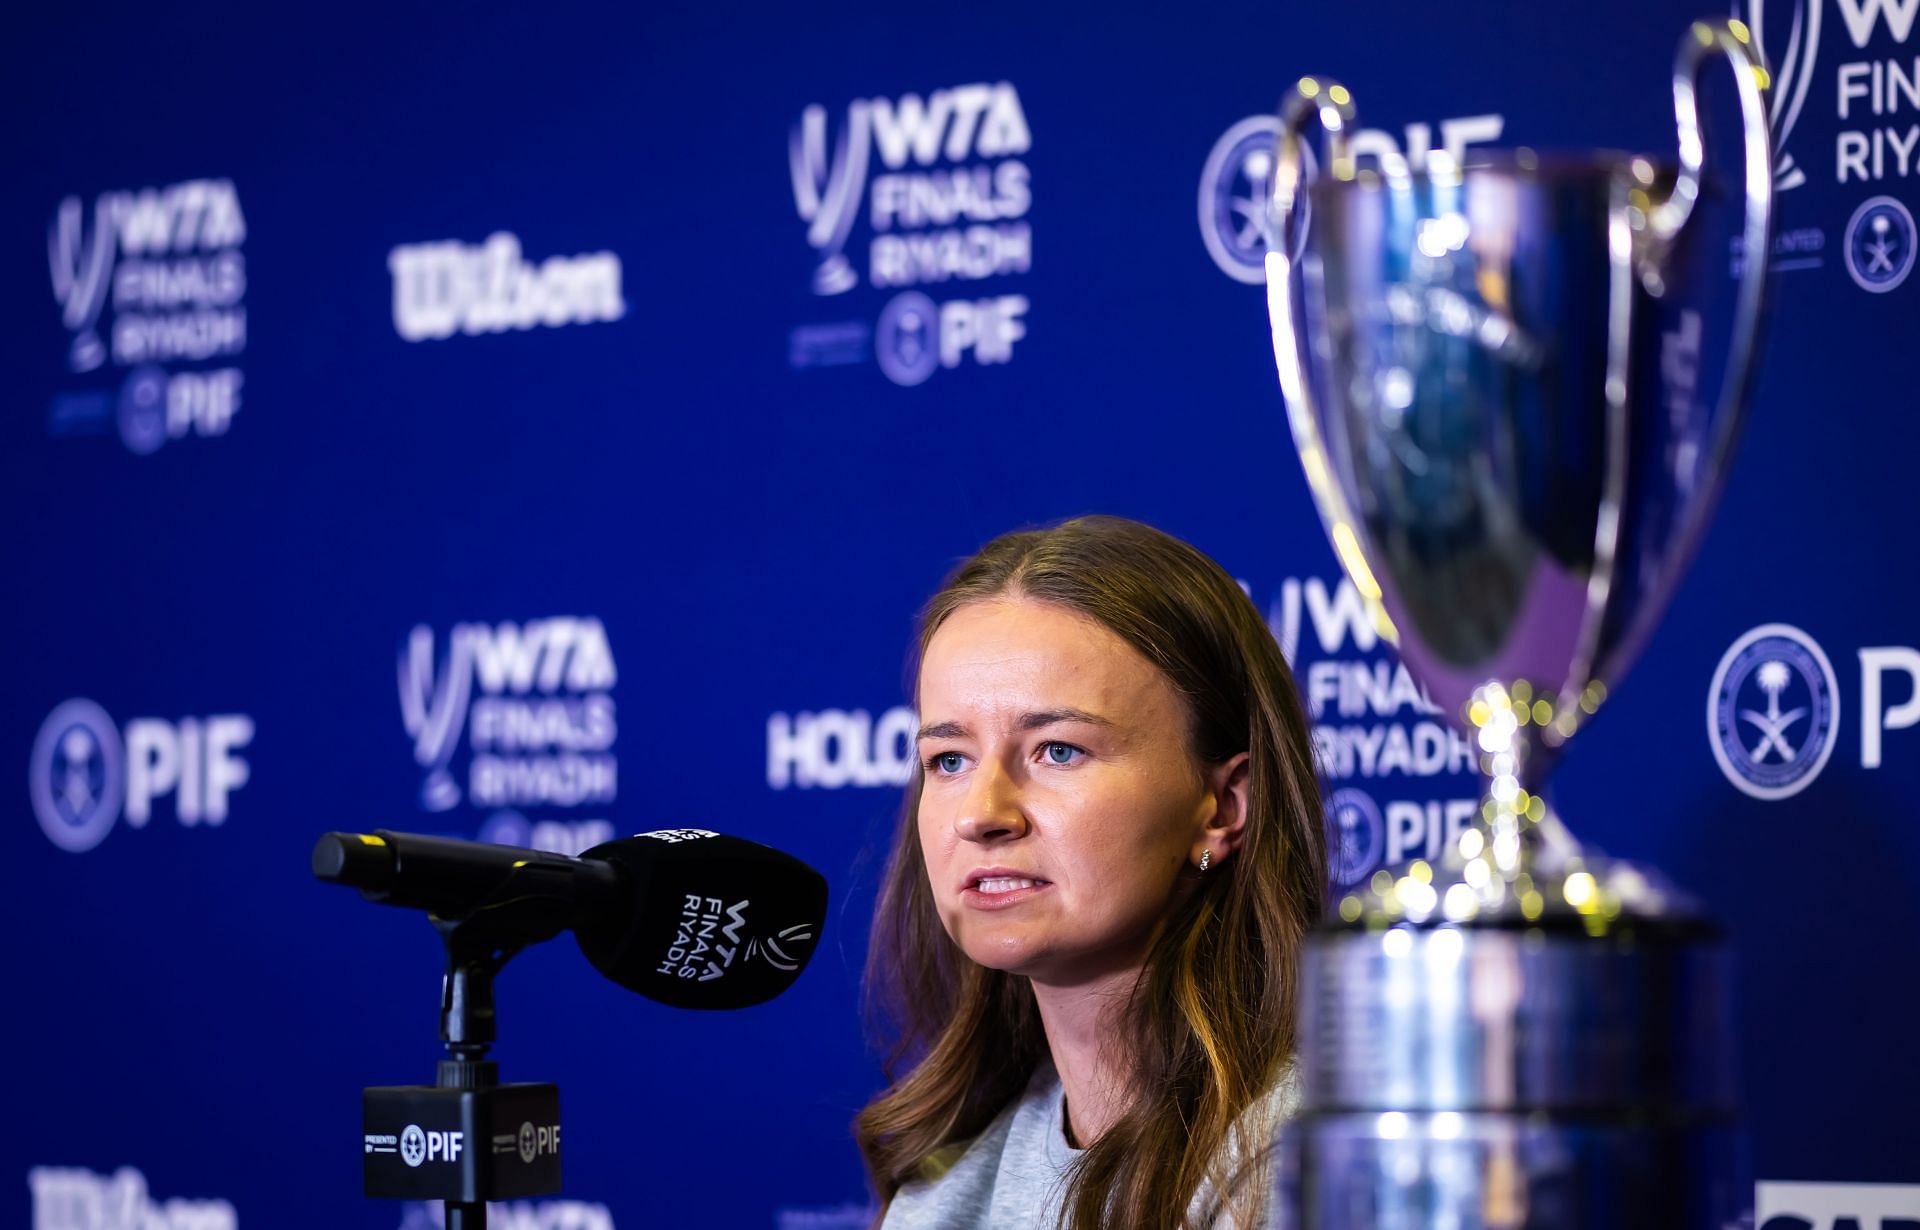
1493	375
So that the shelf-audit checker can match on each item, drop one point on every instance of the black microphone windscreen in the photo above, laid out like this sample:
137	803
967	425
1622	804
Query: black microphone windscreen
703	920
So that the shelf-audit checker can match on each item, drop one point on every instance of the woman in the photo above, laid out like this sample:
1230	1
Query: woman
1107	861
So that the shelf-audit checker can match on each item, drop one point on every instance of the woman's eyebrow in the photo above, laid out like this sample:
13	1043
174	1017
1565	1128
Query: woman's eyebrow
1028	721
1034	721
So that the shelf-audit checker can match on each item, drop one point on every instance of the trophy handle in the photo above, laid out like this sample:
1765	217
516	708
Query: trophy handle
1666	220
1656	227
1330	103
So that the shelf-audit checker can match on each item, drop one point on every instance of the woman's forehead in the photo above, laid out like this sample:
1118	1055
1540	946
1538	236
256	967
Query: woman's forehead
1011	656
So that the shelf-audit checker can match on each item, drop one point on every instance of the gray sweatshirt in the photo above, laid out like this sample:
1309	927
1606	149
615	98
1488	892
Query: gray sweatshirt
1013	1175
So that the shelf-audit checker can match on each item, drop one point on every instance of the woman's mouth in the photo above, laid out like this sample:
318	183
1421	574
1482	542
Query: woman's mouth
991	891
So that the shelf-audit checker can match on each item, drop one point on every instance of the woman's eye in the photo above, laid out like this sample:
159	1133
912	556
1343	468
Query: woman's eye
945	762
1060	753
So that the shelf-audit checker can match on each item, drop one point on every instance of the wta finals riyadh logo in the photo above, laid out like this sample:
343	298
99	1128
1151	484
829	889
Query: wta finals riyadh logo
533	702
160	273
1772	711
710	934
942	182
1358	833
1793	74
828	195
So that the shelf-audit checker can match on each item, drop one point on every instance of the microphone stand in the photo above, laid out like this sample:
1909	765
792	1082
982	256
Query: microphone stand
467	1139
466	1026
488	1141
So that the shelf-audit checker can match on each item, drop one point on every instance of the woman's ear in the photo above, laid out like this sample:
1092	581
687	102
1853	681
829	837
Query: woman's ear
1227	781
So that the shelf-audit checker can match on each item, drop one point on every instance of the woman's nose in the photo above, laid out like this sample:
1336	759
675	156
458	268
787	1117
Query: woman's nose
991	809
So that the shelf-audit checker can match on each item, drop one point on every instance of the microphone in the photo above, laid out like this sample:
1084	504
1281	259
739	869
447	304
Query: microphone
451	878
709	921
685	917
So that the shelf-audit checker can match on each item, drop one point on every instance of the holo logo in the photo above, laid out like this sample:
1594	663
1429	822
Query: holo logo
832	748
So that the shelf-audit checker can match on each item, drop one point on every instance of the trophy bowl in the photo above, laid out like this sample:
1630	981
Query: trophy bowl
1492	373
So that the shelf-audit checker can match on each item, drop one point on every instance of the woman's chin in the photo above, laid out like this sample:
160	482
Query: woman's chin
1008	954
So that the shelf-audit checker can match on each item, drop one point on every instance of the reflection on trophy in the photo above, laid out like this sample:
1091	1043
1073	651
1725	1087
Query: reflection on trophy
1494	377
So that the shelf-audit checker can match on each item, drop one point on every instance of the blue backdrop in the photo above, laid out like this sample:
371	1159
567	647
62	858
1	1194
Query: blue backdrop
541	424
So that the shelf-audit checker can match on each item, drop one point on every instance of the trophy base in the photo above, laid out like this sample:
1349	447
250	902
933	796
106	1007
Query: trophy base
1508	1074
1509	1171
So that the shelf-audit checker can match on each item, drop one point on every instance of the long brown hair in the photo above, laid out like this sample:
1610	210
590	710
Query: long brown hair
1209	1026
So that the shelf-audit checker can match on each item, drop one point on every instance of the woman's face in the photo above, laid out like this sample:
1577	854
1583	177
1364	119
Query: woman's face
1060	802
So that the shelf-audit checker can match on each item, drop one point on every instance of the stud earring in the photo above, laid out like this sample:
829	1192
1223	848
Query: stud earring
1206	856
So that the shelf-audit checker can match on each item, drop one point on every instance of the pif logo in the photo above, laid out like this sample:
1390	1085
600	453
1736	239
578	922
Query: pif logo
1238	177
1837	1206
1364	837
83	774
1358	833
1879	243
1772	711
419	1146
533	1141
